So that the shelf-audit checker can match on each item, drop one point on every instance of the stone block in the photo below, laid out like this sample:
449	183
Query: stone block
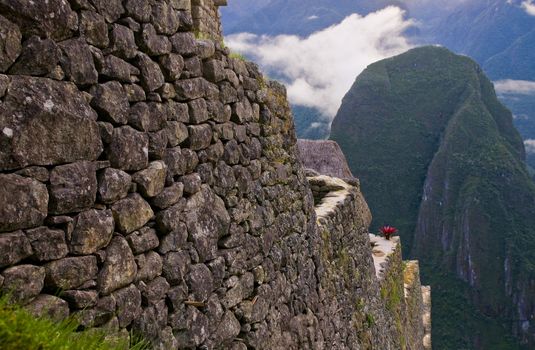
14	247
24	202
129	149
93	230
119	268
70	272
151	181
131	213
46	122
23	282
73	187
38	57
113	184
47	244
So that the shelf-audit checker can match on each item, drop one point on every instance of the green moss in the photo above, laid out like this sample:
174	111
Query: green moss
370	320
19	330
237	56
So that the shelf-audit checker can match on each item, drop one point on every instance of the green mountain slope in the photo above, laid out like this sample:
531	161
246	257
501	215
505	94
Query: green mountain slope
438	156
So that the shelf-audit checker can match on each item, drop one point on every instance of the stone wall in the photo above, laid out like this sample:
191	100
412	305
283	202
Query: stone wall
151	183
390	310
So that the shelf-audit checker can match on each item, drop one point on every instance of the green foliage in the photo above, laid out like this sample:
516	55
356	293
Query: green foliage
456	320
237	56
19	330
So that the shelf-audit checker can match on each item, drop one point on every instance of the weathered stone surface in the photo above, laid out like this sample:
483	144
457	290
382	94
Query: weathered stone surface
92	231
128	304
149	266
199	136
47	244
143	240
80	299
154	44
168	220
70	273
229	328
205	48
129	149
157	144
165	18
194	328
151	75
176	133
207	220
73	187
24	202
115	68
192	67
172	66
113	184
153	291
190	89
111	101
131	213
175	161
151	181
183	43
94	28
48	306
140	10
139	116
23	282
53	18
192	183
40	174
119	268
38	57
46	122
110	9
4	83
168	197
14	247
10	47
174	240
214	70
200	282
135	93
123	43
77	62
175	266
198	111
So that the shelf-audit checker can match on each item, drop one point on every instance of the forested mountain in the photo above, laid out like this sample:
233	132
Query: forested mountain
438	157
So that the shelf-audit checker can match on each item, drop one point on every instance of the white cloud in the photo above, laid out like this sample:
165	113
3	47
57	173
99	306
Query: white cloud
320	69
515	87
313	17
529	7
530	146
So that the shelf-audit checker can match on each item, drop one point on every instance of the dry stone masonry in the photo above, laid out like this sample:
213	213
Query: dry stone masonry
149	183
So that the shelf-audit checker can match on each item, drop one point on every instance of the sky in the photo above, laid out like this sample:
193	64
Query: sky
318	70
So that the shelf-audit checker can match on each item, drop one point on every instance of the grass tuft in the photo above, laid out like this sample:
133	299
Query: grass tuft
20	330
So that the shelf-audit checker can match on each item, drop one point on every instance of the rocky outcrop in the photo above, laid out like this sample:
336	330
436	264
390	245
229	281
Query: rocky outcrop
150	182
325	157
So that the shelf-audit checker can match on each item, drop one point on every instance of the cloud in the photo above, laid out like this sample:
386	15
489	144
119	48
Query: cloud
515	87
530	146
318	70
529	7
